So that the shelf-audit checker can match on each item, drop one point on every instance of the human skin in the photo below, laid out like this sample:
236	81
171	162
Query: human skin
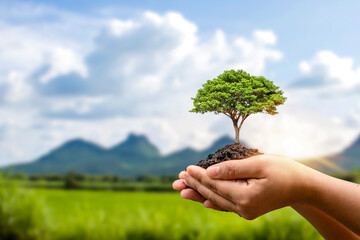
260	184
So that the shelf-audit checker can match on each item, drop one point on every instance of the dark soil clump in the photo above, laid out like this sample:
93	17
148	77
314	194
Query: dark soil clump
229	152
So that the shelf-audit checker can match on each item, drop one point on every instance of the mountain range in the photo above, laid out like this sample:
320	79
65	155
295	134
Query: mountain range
138	156
133	157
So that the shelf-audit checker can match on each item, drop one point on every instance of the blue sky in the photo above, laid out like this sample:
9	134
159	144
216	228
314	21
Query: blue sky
101	69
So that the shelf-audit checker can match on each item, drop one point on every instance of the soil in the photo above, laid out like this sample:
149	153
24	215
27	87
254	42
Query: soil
229	152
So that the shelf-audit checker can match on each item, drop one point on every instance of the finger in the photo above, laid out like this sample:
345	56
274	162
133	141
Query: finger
225	188
209	204
181	174
179	184
191	194
208	194
238	169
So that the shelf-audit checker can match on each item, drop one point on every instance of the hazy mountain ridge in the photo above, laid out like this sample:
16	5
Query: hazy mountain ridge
132	157
138	156
347	160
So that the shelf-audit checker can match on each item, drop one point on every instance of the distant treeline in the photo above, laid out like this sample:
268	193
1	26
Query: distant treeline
73	180
89	178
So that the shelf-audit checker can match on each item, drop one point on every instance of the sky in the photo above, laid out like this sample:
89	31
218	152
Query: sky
99	70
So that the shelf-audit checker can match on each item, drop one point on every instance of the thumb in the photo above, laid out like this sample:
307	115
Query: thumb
237	169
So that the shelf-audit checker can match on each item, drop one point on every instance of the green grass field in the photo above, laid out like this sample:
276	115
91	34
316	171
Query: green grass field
60	214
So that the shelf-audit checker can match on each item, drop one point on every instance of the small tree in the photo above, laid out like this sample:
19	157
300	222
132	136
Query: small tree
238	94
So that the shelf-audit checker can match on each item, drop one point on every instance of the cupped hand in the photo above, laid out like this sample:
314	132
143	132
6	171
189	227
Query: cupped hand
191	194
249	187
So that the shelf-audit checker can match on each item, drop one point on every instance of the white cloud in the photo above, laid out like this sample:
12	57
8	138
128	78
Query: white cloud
142	61
16	88
63	61
118	27
250	54
329	84
27	46
80	105
265	37
330	72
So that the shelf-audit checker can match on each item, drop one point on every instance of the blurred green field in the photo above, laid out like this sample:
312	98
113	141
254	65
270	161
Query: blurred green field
61	214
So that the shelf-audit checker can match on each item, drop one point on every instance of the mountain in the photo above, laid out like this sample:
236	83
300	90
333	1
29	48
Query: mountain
138	156
135	148
133	157
347	160
76	154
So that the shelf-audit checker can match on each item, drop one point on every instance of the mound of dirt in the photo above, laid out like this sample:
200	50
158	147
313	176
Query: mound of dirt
229	152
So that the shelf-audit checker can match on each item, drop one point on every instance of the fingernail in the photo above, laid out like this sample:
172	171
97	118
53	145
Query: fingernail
212	171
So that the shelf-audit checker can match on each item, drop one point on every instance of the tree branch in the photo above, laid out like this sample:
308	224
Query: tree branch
243	118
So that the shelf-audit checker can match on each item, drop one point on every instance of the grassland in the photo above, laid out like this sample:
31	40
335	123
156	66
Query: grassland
60	214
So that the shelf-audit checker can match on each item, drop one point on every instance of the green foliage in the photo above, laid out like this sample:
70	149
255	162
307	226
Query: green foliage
108	215
36	177
19	176
235	93
74	180
70	181
238	94
147	178
46	177
21	213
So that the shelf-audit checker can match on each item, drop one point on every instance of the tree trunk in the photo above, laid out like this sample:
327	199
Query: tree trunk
237	130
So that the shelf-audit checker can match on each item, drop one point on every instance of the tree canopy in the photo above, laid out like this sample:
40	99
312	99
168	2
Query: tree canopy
237	94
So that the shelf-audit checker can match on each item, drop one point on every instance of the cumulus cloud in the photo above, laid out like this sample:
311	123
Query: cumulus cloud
15	88
142	61
63	61
330	84
29	47
330	72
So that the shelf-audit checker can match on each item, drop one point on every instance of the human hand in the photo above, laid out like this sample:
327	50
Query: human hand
191	194
249	187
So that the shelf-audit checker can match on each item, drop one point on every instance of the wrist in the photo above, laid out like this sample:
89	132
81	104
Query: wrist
310	186
314	187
